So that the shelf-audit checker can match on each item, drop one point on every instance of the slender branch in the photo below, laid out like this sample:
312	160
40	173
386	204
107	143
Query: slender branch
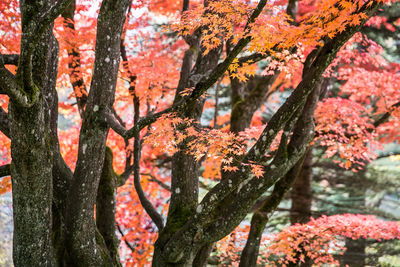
11	59
114	124
147	205
132	83
119	119
385	116
154	179
74	60
5	170
4	123
125	175
129	245
253	58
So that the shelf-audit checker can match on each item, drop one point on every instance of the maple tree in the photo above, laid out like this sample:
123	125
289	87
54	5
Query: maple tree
138	96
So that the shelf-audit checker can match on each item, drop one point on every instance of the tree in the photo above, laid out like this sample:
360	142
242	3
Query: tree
55	196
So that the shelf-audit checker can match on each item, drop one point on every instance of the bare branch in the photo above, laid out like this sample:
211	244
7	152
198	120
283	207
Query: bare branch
10	59
129	245
154	179
4	123
5	170
125	175
114	124
74	61
147	205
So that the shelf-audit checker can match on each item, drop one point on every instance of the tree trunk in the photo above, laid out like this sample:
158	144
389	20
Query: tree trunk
354	255
184	176
105	208
202	256
31	168
303	126
250	252
32	186
301	195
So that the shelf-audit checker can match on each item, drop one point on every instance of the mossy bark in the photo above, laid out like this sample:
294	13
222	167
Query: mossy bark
80	224
31	172
32	153
184	176
105	208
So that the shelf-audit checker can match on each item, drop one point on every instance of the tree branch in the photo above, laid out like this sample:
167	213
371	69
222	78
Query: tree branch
4	123
5	170
10	87
129	245
240	190
154	179
33	28
147	205
385	116
10	59
114	124
74	61
93	135
206	82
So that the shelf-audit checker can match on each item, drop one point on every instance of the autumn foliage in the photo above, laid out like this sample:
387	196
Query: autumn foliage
348	129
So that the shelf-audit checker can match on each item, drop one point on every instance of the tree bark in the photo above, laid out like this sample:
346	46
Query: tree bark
81	235
303	126
105	207
355	254
32	152
301	194
184	175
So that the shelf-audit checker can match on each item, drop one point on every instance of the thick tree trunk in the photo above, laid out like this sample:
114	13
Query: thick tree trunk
301	195
32	186
184	176
32	152
83	243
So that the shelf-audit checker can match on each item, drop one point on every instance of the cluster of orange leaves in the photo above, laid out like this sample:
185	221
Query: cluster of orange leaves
347	132
318	240
370	87
321	238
